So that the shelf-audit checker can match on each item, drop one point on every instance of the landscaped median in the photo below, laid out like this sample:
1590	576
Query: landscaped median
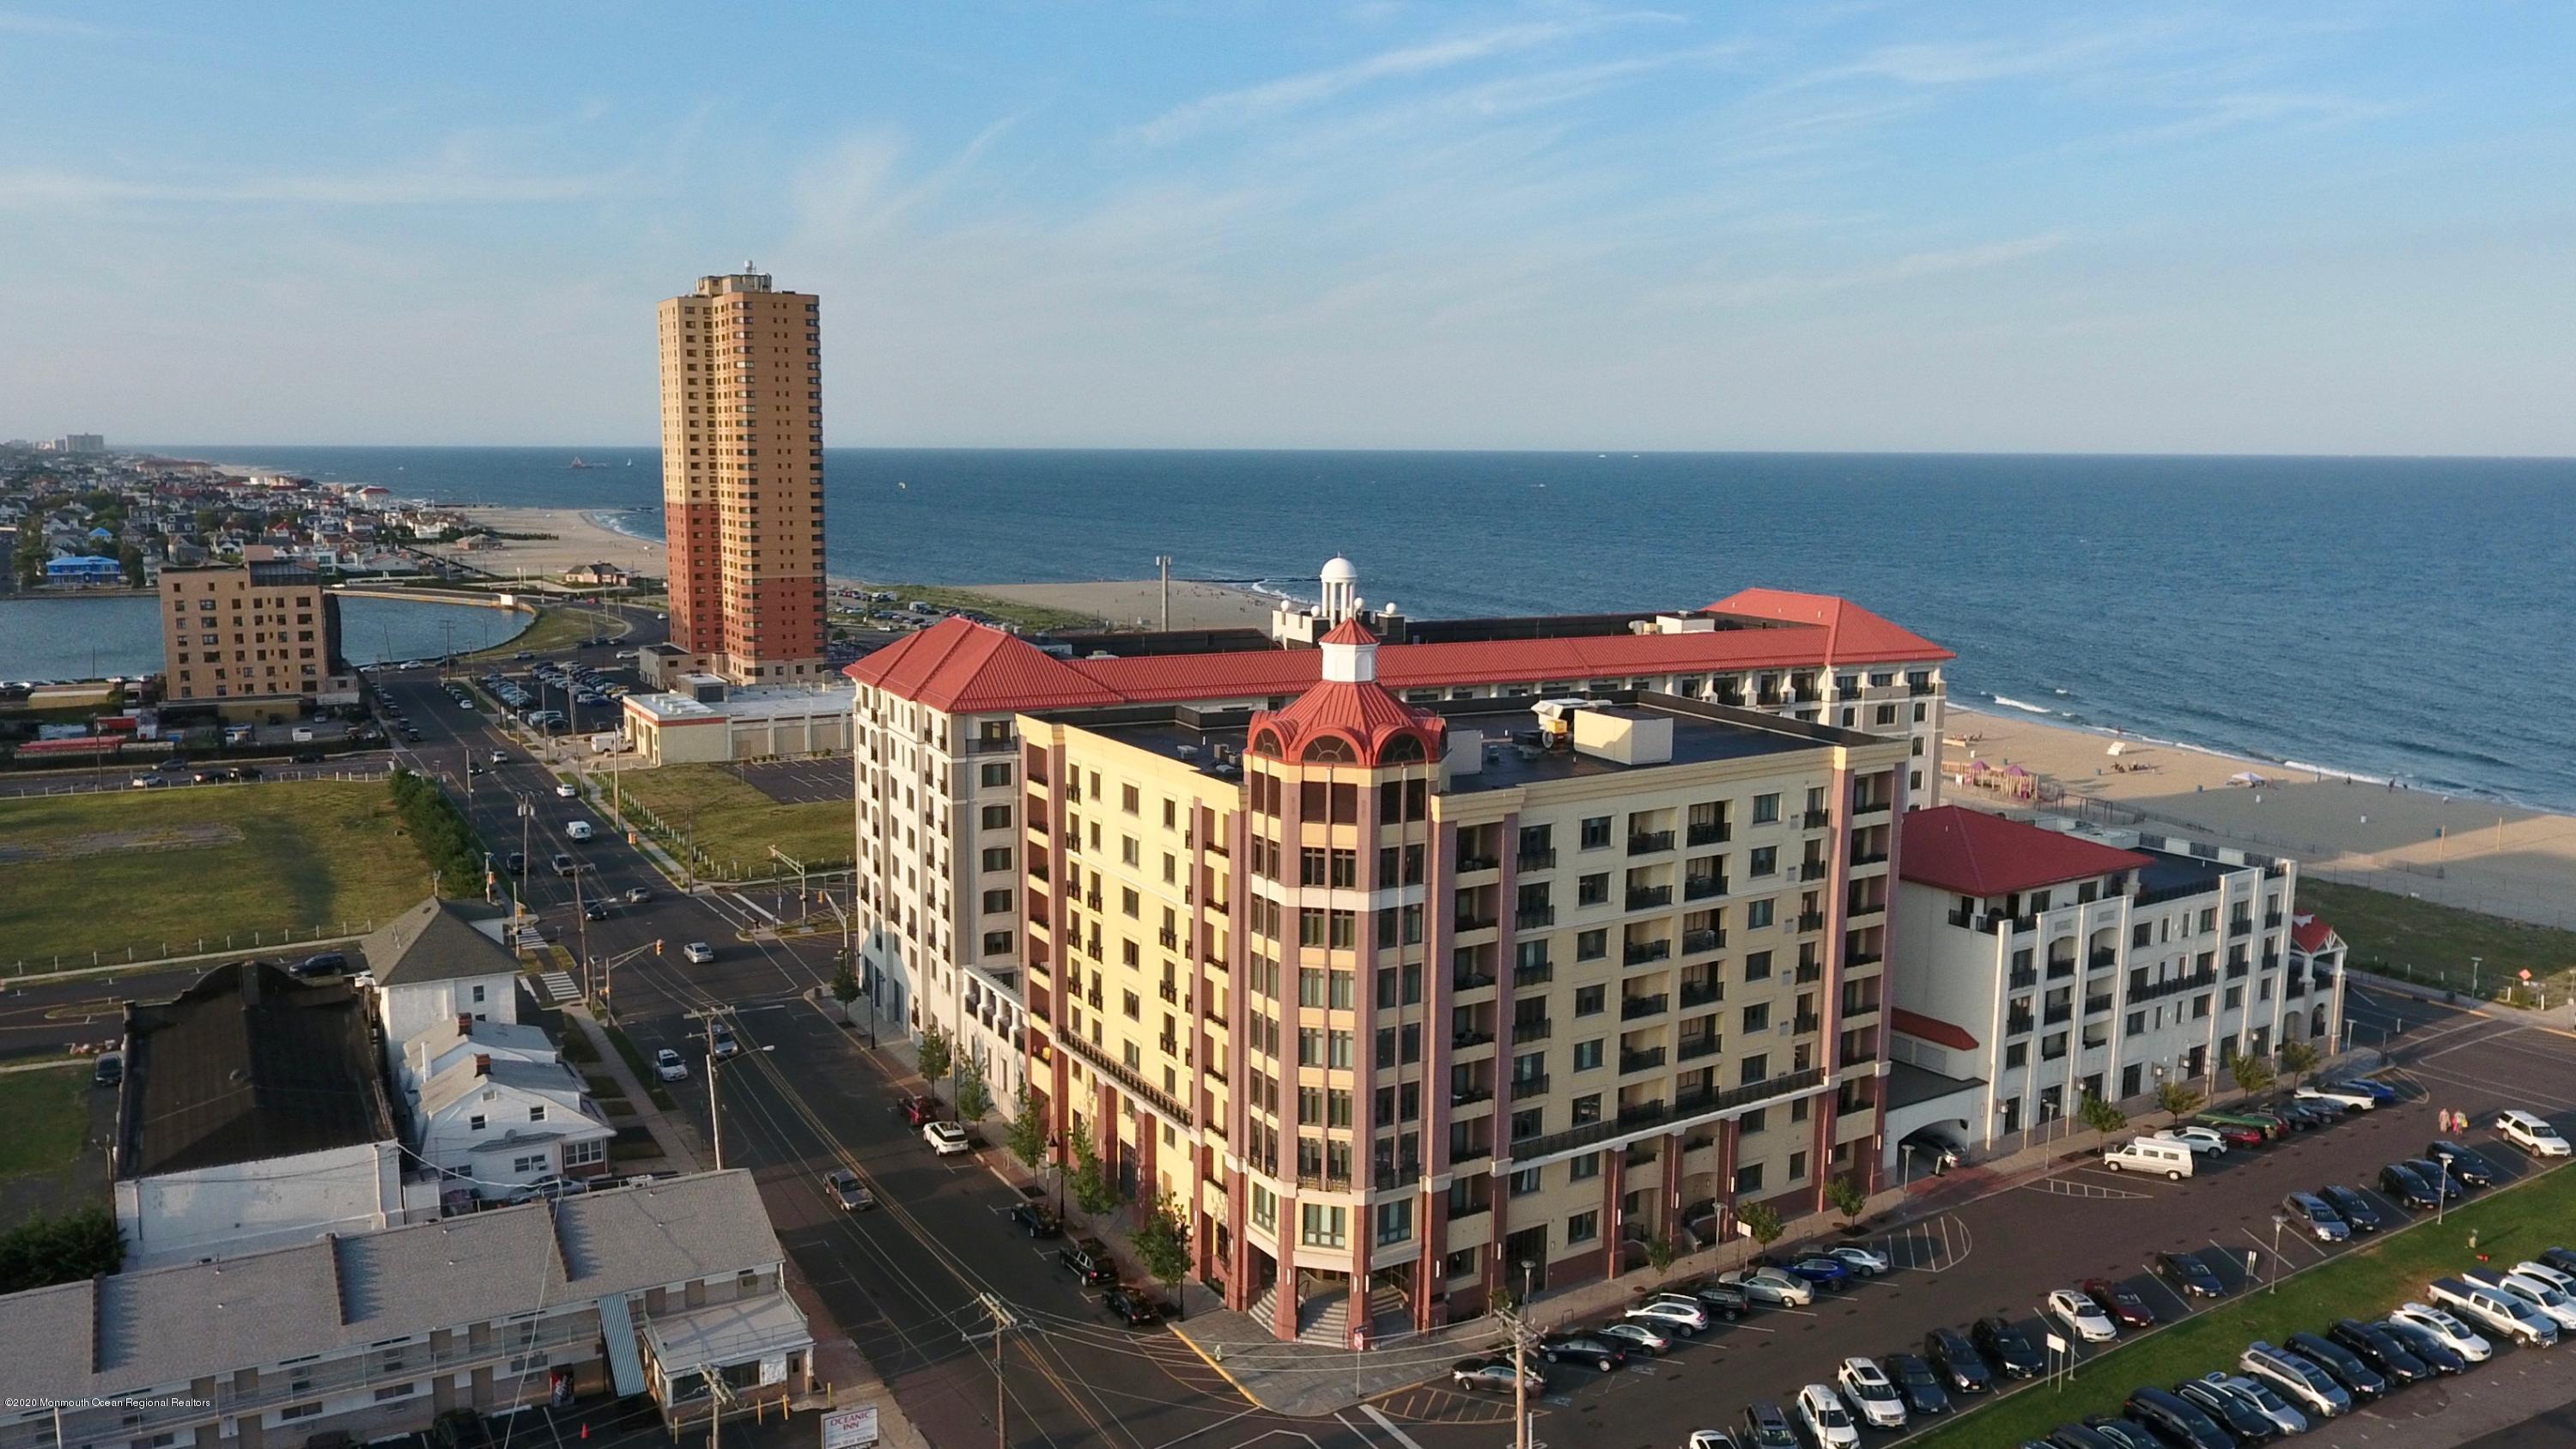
2511	1223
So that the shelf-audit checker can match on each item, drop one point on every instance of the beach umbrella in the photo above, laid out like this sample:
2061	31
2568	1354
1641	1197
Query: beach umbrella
1978	767
2245	777
2015	771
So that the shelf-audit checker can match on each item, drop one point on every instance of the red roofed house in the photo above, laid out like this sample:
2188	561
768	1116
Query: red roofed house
940	810
2042	965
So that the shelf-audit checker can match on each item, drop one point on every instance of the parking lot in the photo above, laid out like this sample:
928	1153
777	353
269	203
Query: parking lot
2082	1222
800	782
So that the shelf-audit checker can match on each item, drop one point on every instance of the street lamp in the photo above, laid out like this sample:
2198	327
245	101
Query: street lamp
2272	1271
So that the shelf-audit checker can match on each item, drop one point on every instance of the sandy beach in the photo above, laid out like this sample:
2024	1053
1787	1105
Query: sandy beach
1133	603
2460	851
576	539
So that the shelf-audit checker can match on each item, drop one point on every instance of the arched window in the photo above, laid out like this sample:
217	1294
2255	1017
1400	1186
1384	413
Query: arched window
1404	749
1267	743
1330	750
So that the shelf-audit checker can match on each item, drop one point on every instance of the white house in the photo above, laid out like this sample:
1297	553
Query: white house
493	1124
436	962
252	1116
437	1049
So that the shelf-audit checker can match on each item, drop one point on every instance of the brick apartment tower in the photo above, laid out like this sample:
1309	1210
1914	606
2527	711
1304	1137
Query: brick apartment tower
742	478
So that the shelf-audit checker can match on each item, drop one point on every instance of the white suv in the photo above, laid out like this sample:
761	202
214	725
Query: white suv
2532	1133
1828	1424
1871	1395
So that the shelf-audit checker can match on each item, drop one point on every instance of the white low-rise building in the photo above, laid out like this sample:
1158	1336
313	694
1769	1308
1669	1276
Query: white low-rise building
436	962
703	720
2040	964
497	1124
434	1051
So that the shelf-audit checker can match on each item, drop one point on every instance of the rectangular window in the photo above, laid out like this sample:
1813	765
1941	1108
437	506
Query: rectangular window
1322	1227
1591	945
1394	1222
1525	1182
1766	809
1587	1055
1596	832
1757	915
1583	1227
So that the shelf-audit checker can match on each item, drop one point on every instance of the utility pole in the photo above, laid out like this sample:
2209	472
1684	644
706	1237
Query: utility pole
1003	1320
715	1118
1518	1329
1163	562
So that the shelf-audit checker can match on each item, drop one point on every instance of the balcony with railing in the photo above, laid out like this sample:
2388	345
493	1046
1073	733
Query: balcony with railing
2157	990
1707	832
2103	956
1661	1112
1531	860
1633	1007
1532	1028
1470	979
1647	898
2018	1023
1702	993
1533	918
1815	819
2097	1004
2240	926
1324	1181
1651	842
2061	968
1533	973
1703	939
1639	953
1811	921
1632	1062
1469	1039
1703	887
1695	1047
1129	1078
1475	919
1533	1084
1388	1176
2057	1012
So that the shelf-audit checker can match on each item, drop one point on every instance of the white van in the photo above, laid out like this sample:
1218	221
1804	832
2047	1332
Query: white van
2147	1154
578	830
300	735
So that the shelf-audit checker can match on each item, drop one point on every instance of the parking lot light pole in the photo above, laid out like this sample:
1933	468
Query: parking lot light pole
2272	1270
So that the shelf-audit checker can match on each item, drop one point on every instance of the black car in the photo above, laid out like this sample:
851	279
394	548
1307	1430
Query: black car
2242	1418
2465	1165
2007	1346
1722	1300
2359	1212
518	863
2076	1436
1089	1260
2319	1114
594	912
1962	1368
1915	1379
2407	1188
2438	1174
307	757
2176	1421
2380	1349
1766	1427
2126	1433
1133	1307
2339	1362
2427	1346
2189	1276
2562	1259
1036	1220
325	963
1583	1349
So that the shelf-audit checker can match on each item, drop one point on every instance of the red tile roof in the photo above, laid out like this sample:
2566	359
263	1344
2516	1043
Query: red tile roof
966	668
1349	631
2310	933
1977	854
1853	635
939	659
1932	1029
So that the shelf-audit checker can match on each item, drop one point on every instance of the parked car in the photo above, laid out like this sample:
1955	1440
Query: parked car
1089	1260
946	1139
1828	1424
2553	1305
1821	1269
668	1065
1682	1315
2126	1305
2494	1311
1914	1378
1766	1426
2562	1259
2558	1278
2234	1133
2006	1346
2437	1173
2407	1188
1632	1336
1873	1397
108	1070
2465	1165
1495	1373
2189	1276
2121	1432
1771	1286
2359	1379
2244	1420
2165	1158
2287	1419
1963	1369
1582	1348
2312	1215
1036	1220
845	1189
1133	1307
2429	1347
1859	1260
2532	1133
2351	1099
1709	1439
918	1110
2454	1333
2387	1355
2304	1384
2082	1316
2353	1206
2379	1091
2311	1114
2175	1420
1721	1299
323	963
2200	1141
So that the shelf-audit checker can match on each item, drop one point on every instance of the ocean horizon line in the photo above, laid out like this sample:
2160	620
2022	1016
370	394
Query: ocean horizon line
1598	450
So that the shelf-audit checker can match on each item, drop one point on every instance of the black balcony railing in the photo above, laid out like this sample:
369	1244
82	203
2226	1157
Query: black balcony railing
1701	887
1473	1209
1694	1048
1470	980
1879	857
1468	863
1648	1116
2104	956
1644	1061
2271	960
1700	940
1702	993
1469	1096
1639	953
1462	1040
2241	925
2060	967
1470	922
2063	1011
1538	859
2098	1003
1647	898
1869	807
1706	833
1532	918
1854	960
1811	921
1806	1024
1533	1085
2155	990
1391	1175
1637	1006
1532	1028
1134	1081
1533	973
1862	911
2271	920
1815	819
1809	971
1650	842
2018	1024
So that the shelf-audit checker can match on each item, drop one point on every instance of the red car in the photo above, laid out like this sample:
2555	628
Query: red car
918	1110
2122	1303
2238	1134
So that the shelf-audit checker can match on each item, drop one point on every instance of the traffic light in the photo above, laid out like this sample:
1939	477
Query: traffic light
657	946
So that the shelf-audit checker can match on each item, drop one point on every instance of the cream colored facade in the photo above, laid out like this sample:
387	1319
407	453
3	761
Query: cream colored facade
1488	1009
756	723
258	634
742	478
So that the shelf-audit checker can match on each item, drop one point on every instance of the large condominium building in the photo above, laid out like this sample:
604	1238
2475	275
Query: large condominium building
2050	962
1409	1003
742	481
252	638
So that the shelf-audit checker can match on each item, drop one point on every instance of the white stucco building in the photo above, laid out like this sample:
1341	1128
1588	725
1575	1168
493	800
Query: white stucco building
436	962
495	1123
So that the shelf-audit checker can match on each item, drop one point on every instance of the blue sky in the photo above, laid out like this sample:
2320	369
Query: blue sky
2334	228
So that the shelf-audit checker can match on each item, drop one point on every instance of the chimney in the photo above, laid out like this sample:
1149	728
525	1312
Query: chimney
482	1064
464	1024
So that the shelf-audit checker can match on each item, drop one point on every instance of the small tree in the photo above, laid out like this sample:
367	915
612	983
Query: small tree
1660	1252
2253	1074
974	1097
1162	1244
1028	1139
845	984
936	1058
2297	1058
2099	1115
2176	1100
1761	1222
1093	1192
1848	1197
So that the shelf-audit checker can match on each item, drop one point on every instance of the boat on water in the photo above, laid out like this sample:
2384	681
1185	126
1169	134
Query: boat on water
578	463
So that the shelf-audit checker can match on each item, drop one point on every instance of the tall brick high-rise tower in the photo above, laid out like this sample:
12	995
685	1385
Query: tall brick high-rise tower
742	478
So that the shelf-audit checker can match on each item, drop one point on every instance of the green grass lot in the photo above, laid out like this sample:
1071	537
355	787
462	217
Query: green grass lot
734	822
48	1116
557	626
1009	611
2510	1224
143	869
2431	944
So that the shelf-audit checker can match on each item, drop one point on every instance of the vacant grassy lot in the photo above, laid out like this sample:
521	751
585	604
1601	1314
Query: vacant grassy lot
48	1116
2428	943
730	822
2511	1224
557	627
148	869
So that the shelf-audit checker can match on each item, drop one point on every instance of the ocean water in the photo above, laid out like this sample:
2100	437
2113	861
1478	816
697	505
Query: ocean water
77	638
2394	617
